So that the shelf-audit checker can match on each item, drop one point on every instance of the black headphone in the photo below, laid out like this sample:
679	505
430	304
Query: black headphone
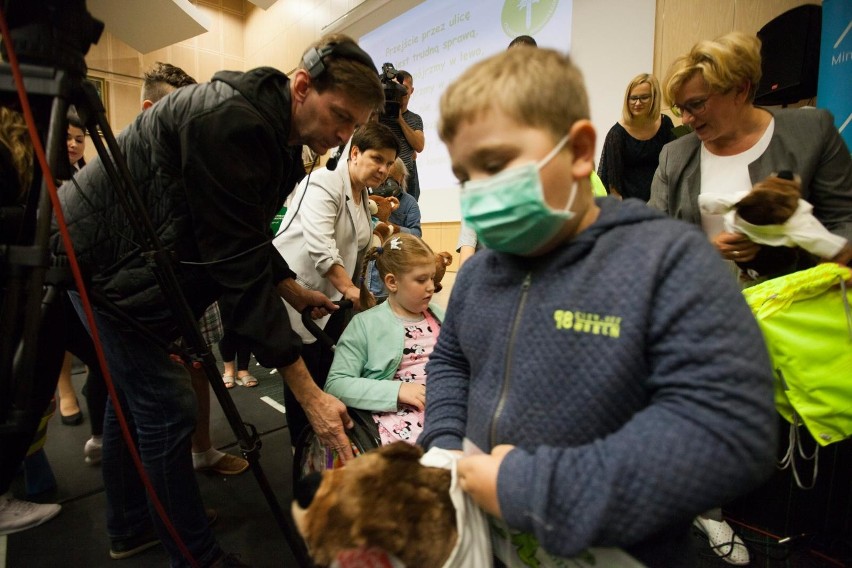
346	50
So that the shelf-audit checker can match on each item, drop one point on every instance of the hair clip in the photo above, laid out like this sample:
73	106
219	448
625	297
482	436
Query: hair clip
396	243
379	250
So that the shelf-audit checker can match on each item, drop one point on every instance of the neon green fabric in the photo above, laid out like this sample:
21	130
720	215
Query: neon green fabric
808	329
598	188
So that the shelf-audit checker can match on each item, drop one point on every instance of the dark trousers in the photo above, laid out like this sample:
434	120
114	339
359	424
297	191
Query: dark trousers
318	358
233	349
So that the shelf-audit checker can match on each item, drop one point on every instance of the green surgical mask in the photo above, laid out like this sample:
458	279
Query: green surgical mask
508	211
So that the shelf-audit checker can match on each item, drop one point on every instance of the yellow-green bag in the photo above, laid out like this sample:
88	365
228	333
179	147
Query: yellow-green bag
807	323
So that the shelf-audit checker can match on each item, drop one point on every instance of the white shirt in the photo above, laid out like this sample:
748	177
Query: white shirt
726	175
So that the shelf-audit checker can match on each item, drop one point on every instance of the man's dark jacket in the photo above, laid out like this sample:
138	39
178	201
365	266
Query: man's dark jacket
213	166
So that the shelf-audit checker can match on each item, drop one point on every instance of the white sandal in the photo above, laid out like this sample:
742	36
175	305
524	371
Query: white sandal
229	381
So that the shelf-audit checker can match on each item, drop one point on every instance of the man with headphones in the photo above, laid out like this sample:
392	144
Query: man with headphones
214	162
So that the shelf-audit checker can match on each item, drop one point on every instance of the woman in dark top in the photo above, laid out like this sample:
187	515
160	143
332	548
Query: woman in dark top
632	147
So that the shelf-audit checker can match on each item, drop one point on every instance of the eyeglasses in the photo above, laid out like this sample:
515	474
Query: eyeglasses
639	98
694	107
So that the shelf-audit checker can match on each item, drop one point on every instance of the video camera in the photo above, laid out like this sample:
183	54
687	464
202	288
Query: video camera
389	188
394	90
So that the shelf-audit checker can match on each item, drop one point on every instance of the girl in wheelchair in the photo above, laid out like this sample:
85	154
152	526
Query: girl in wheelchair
380	361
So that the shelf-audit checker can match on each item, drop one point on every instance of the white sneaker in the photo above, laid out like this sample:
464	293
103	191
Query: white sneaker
92	450
723	541
17	515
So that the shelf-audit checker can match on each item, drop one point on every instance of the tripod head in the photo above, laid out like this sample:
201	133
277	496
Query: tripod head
53	33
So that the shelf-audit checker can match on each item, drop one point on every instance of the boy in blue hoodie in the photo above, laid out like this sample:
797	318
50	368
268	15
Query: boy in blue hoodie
596	355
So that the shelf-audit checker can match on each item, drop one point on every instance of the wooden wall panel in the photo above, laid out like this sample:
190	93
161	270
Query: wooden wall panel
684	22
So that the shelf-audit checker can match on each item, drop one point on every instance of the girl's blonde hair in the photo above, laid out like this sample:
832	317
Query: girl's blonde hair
653	110
398	255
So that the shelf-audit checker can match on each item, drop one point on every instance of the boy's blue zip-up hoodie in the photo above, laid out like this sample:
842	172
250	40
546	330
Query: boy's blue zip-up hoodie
627	370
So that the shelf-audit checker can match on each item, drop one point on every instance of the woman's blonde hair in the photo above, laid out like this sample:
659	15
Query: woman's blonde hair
15	137
653	110
536	87
398	255
724	63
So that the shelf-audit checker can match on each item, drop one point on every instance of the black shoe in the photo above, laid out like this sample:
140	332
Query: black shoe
121	548
74	419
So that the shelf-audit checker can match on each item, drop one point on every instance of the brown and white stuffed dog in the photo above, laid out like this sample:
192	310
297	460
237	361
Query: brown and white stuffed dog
387	502
774	215
381	209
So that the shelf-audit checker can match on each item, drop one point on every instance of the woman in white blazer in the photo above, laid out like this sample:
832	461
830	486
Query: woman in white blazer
324	236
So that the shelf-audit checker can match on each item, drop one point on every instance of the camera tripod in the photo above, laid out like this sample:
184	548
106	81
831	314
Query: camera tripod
30	293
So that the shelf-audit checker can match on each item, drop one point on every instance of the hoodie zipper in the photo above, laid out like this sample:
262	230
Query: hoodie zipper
504	391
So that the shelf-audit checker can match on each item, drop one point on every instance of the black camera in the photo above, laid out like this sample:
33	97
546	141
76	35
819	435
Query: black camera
389	188
394	90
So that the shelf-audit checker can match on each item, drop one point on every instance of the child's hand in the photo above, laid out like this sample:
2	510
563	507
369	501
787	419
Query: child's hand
413	394
478	478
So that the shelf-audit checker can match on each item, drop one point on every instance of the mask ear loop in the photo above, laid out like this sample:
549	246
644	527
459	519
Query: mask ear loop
571	198
546	160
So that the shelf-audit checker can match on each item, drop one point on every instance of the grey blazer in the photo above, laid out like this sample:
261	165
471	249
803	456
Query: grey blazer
805	141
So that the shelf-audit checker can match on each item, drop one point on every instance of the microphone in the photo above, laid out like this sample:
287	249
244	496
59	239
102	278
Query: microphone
335	157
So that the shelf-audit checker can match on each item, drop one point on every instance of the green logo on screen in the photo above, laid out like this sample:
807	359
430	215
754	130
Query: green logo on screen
526	17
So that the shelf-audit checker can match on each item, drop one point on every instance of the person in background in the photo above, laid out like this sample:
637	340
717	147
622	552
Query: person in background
406	216
213	216
408	128
76	140
161	80
327	233
734	145
601	422
523	40
235	360
69	408
380	360
16	176
632	147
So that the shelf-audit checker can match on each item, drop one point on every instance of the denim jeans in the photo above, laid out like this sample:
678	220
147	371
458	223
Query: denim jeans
160	408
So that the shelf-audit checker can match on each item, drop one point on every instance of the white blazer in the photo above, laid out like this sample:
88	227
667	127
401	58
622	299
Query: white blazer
318	232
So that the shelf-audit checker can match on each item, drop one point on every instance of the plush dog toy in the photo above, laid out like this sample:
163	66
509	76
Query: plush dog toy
396	504
774	215
397	507
381	209
442	261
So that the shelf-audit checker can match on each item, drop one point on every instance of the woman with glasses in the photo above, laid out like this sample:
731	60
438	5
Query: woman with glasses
736	144
633	145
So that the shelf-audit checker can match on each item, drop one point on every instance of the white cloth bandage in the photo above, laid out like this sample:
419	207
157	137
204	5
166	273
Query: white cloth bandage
473	547
802	229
